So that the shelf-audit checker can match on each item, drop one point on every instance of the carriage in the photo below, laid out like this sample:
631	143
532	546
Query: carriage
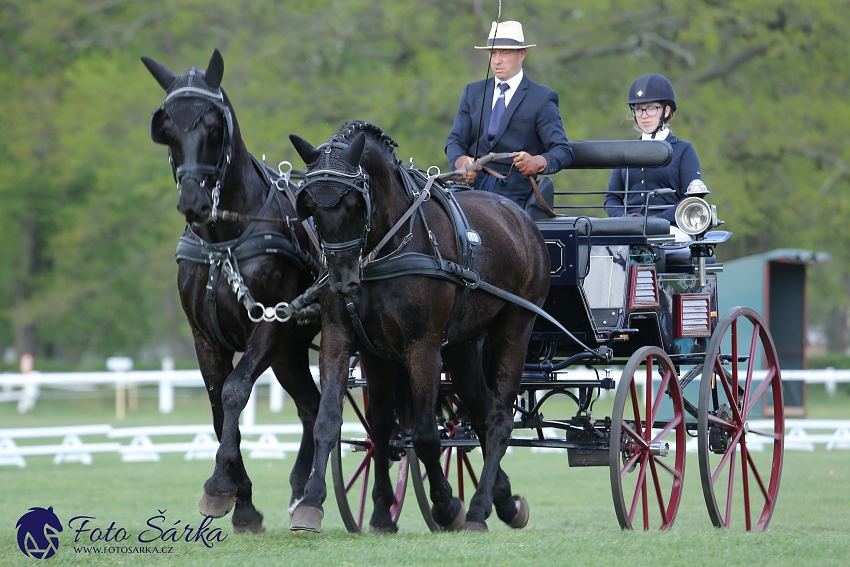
639	332
628	312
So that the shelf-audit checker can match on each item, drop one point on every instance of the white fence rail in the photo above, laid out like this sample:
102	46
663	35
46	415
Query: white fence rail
146	443
25	388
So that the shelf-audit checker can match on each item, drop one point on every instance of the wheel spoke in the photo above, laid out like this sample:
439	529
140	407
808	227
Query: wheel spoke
648	394
769	434
677	476
757	476
469	470
658	495
357	411
733	399
662	391
669	427
750	367
364	491
640	487
729	454
630	462
729	491
364	465
768	380
635	407
637	437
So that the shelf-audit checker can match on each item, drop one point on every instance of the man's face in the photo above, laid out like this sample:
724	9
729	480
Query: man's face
506	63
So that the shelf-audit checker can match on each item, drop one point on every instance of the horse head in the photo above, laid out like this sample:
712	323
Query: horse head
196	123
335	192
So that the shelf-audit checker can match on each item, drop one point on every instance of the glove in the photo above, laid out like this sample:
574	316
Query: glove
463	162
528	164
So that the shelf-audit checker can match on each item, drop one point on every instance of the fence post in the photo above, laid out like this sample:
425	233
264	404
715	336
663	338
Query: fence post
166	387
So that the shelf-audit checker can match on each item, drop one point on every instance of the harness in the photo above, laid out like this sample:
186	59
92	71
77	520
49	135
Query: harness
398	262
224	258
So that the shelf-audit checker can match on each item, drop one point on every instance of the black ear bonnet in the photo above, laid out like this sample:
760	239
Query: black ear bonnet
188	98
329	178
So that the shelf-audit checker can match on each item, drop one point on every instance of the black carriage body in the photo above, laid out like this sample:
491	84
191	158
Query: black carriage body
612	284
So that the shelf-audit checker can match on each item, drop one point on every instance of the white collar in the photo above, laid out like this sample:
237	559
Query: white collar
660	135
513	82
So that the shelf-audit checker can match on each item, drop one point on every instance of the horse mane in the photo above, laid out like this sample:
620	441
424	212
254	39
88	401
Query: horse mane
375	134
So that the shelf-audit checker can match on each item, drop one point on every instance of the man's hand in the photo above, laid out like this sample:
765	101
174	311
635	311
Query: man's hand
528	164
463	162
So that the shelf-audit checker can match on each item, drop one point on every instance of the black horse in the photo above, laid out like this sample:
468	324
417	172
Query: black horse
416	297
229	271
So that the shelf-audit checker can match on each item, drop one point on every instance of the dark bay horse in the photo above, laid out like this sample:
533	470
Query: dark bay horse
229	271
420	298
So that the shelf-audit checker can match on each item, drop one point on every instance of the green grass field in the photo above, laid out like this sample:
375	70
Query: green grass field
572	517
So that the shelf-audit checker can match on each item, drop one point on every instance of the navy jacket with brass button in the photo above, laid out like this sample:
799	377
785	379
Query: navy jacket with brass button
682	169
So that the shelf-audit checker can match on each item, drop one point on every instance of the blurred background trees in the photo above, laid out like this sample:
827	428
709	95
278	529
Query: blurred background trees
88	223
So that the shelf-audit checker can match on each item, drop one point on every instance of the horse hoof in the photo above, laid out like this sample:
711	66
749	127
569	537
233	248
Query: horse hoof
216	505
475	527
521	518
255	526
456	524
383	529
306	519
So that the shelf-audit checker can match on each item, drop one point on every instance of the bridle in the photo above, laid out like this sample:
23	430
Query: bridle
197	171
358	181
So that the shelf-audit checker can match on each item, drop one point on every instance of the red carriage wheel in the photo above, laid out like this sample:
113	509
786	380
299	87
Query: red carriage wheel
740	459
648	438
455	461
351	475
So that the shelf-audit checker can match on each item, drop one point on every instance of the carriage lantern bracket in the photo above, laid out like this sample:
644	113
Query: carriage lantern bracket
695	217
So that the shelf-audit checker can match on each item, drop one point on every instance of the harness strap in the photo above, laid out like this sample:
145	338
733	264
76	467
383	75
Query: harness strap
423	196
210	303
358	325
413	263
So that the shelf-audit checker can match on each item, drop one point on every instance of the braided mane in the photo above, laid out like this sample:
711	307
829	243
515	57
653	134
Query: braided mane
350	128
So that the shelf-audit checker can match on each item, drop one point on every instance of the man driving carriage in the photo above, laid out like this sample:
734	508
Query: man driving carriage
522	117
653	105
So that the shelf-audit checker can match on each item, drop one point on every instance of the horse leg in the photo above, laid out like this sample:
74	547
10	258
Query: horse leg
379	415
292	370
215	367
509	335
424	364
229	482
464	362
333	368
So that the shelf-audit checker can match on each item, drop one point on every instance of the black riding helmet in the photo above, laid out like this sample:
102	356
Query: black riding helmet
653	88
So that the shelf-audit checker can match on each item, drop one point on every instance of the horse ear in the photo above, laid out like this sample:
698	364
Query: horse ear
160	72
307	152
354	152
215	70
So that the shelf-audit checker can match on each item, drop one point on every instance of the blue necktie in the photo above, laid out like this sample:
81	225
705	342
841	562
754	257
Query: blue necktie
498	111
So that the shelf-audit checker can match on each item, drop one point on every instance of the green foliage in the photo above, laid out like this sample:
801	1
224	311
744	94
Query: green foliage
86	246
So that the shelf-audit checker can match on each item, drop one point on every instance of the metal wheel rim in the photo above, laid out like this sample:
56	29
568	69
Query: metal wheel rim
626	505
740	459
352	519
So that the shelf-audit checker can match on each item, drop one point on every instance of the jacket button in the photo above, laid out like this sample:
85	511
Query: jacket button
641	181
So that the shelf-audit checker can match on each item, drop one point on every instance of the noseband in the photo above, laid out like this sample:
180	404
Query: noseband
358	181
197	171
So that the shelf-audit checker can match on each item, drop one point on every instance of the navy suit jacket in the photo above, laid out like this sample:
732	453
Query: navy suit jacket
682	169
531	123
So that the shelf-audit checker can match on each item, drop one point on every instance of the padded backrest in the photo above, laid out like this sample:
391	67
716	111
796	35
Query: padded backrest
610	154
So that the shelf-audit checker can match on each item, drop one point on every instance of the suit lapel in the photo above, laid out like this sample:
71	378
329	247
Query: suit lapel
483	144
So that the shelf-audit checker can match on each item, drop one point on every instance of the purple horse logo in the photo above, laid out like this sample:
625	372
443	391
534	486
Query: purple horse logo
38	533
